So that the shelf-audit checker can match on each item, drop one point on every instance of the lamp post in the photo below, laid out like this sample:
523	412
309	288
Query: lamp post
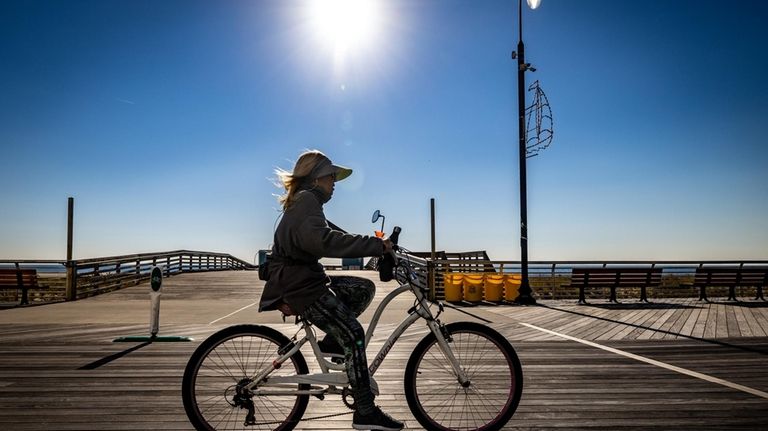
525	296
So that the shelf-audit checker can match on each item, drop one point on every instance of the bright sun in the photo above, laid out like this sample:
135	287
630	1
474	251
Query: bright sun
345	25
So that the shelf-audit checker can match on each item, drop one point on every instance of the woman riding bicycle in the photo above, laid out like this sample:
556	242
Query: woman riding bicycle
298	284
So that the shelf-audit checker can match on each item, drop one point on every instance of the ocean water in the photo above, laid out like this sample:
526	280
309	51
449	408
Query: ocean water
41	268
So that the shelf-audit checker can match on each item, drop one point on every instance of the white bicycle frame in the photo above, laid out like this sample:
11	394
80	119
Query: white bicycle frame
333	375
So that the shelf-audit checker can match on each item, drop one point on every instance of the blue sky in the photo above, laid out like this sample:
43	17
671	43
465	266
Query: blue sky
165	121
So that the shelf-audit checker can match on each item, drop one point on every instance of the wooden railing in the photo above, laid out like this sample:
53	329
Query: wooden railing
548	277
62	280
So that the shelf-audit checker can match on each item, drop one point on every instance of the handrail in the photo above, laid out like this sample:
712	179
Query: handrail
92	276
609	262
129	257
43	261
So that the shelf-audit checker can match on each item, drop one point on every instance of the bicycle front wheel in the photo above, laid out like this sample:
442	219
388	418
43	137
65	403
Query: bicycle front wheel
440	402
213	388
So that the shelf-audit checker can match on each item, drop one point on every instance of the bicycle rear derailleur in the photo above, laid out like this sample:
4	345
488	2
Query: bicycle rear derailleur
243	399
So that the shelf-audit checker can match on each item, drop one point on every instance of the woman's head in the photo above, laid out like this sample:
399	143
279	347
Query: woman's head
313	169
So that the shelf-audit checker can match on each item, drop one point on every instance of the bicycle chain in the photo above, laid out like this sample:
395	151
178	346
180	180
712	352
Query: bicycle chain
302	419
325	416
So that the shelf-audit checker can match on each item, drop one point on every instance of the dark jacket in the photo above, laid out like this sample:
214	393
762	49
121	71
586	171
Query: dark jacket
303	237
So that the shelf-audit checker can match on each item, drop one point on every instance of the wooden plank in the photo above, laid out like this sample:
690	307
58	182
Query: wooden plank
721	326
760	316
620	330
639	325
711	323
680	317
701	323
752	321
648	328
662	323
690	322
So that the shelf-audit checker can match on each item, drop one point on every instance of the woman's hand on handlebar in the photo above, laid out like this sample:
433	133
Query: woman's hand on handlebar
387	245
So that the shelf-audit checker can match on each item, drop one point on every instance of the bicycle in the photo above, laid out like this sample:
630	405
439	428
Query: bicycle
460	376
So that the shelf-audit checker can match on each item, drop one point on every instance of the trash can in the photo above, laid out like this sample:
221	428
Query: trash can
473	287
453	287
494	287
512	286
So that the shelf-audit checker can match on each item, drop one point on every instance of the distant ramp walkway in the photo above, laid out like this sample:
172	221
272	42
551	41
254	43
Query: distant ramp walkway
82	278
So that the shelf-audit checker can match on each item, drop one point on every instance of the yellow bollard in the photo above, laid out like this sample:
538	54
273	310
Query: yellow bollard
494	287
453	287
473	287
511	286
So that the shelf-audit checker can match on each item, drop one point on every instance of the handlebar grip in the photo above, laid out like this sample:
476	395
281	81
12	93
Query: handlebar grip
395	235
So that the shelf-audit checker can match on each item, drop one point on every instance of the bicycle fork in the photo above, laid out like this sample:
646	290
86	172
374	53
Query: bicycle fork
443	342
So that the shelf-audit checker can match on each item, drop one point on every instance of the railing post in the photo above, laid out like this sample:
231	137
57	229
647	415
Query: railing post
431	279
552	279
70	292
22	286
137	272
117	274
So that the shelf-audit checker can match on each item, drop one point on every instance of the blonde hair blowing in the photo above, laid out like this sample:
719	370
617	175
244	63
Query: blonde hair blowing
301	170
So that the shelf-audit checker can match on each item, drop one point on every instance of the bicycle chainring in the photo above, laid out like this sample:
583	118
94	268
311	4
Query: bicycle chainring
346	395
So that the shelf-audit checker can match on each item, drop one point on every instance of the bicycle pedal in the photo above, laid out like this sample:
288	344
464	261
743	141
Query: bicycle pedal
334	357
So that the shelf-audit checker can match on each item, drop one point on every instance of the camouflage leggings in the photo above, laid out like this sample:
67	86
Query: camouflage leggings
336	313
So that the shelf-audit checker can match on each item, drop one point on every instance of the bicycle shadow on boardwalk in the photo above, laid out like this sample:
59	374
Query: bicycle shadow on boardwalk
663	331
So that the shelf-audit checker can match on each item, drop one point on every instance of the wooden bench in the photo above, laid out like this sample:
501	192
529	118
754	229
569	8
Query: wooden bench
730	277
23	279
615	278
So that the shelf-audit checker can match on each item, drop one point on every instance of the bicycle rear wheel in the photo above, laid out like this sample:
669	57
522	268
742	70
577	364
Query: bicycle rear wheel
440	402
229	360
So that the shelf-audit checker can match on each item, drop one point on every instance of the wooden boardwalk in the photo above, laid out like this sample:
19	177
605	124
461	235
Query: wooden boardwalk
674	364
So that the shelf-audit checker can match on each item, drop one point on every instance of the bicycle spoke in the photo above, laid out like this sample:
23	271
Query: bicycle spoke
220	371
443	402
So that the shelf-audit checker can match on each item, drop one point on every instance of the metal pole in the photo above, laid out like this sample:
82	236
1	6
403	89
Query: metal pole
432	220
526	293
71	287
431	262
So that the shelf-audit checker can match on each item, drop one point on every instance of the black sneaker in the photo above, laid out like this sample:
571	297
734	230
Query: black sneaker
332	349
377	420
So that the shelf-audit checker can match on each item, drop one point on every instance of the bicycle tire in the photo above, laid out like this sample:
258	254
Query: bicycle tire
437	399
228	358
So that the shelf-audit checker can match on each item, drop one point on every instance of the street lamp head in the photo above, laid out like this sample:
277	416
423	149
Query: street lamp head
533	4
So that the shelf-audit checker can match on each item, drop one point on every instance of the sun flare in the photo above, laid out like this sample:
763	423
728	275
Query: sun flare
346	25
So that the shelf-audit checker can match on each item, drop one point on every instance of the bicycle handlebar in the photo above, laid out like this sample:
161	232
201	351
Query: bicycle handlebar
395	237
388	262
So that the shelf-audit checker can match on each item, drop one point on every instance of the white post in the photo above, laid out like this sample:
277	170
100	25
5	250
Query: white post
155	283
